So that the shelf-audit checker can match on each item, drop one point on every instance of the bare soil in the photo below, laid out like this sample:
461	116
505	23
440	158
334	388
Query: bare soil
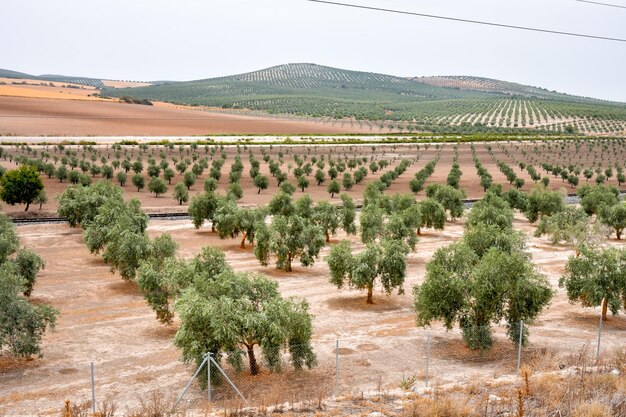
105	320
49	117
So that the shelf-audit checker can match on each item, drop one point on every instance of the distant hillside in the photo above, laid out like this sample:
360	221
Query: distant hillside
451	104
301	89
5	73
436	104
496	86
95	82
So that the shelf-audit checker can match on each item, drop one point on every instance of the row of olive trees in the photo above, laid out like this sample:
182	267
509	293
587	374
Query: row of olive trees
227	313
22	324
220	311
112	226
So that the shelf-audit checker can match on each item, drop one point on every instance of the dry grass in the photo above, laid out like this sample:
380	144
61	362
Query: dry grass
566	393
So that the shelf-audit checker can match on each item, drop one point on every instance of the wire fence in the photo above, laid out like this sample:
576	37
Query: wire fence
355	366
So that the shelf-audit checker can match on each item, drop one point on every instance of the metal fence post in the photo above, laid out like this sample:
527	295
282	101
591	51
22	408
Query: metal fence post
208	374
219	368
599	336
427	356
337	367
519	348
190	381
93	391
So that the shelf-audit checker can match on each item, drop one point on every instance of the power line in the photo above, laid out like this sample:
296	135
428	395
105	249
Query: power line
602	4
478	22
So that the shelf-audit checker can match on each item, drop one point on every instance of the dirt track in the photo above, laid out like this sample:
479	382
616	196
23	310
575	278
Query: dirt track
49	117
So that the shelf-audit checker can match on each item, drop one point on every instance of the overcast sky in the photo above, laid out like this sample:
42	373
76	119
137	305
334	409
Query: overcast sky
192	39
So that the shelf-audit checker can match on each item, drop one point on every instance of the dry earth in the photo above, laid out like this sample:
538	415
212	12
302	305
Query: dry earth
48	117
105	320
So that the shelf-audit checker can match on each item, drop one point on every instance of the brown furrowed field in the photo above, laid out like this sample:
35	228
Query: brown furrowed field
28	116
106	320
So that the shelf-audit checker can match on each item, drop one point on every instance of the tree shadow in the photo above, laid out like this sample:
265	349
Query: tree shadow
382	303
123	287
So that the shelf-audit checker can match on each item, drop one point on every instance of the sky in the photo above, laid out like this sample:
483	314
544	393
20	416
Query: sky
195	39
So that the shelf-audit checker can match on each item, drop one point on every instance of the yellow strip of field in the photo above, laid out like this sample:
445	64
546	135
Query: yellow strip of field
30	92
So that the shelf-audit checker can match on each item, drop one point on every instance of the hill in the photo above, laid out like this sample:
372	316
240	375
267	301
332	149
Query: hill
68	79
94	82
465	82
436	104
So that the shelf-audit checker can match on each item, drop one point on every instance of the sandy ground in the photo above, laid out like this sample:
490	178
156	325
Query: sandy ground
105	320
35	116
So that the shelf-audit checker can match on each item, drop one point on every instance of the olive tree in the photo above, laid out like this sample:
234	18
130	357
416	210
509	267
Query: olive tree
449	197
203	207
119	232
433	215
157	186
22	324
615	218
41	199
236	312
79	204
189	179
289	237
474	291
162	282
233	221
139	181
9	241
572	227
384	261
594	198
261	182
28	266
372	222
543	202
491	210
333	188
20	186
181	194
162	277
597	277
121	178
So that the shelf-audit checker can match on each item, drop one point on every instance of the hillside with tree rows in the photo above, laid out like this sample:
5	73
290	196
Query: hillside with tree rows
434	104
